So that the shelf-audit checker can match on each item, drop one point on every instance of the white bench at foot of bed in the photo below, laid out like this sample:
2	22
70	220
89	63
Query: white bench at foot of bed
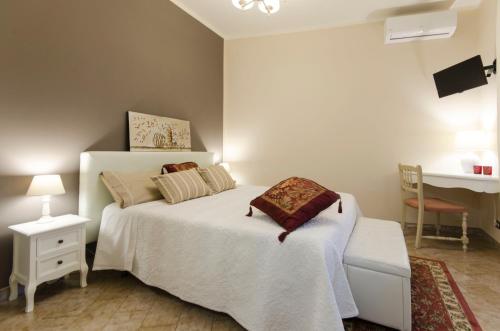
378	269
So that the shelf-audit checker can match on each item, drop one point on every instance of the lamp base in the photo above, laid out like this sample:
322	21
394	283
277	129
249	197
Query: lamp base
46	218
468	161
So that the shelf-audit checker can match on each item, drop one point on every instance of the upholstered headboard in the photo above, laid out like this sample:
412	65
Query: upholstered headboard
93	194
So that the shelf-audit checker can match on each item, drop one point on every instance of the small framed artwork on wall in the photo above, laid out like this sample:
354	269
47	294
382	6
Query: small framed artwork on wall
158	133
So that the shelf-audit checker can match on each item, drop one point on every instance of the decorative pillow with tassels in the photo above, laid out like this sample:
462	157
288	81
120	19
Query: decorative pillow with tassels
294	202
176	167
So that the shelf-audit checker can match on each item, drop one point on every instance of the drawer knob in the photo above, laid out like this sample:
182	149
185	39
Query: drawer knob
60	241
60	262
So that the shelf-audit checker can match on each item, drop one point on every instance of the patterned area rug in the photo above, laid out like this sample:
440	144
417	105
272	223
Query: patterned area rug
437	303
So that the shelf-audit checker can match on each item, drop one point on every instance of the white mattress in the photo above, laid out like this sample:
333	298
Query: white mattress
206	251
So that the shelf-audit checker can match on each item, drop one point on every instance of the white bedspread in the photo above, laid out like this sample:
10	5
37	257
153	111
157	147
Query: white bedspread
206	251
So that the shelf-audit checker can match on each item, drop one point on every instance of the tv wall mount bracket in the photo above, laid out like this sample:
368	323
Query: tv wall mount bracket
491	69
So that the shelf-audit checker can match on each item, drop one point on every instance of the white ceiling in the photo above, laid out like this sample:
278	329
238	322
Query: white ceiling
299	15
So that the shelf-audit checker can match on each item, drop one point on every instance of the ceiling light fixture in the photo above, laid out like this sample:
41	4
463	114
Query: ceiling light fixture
266	6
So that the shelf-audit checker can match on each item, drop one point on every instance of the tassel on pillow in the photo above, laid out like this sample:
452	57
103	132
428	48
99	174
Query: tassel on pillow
283	236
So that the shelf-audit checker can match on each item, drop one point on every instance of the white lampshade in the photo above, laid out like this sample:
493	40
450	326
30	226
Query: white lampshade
46	185
243	4
269	6
226	166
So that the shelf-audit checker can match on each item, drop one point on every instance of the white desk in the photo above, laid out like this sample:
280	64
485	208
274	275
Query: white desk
476	183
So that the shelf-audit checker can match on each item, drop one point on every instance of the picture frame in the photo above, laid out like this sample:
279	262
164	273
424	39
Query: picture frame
157	133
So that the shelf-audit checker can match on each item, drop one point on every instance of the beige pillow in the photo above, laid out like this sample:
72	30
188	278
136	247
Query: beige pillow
181	186
131	188
217	178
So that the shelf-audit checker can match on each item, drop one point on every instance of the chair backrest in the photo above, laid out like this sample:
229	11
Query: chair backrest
410	178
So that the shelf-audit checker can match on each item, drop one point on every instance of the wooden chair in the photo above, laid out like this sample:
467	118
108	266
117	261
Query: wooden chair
411	182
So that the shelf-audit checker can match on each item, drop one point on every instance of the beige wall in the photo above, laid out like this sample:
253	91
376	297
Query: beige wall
487	38
340	107
491	229
69	71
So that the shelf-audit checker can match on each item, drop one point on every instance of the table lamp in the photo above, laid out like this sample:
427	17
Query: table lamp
470	143
46	186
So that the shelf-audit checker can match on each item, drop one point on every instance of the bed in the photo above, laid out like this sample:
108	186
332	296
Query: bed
206	251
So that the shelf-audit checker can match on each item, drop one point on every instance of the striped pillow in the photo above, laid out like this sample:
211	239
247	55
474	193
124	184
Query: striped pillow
217	178
181	186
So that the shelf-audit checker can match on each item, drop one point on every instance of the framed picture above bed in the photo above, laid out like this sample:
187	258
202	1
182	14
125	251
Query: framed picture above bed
158	133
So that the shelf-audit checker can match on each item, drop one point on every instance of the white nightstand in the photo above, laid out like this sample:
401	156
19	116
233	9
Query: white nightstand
47	251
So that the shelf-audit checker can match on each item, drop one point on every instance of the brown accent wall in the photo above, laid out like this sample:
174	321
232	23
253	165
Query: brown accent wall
69	71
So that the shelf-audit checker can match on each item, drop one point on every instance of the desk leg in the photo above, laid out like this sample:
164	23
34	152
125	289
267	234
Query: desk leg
495	209
465	239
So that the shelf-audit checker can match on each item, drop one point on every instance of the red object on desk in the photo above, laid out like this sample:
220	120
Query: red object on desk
478	169
487	170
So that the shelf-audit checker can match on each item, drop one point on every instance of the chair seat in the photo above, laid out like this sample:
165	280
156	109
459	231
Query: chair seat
437	205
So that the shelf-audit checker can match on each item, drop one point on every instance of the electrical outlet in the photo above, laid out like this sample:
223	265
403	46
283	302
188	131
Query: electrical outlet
497	224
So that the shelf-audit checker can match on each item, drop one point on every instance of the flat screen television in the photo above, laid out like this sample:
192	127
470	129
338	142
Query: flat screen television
461	77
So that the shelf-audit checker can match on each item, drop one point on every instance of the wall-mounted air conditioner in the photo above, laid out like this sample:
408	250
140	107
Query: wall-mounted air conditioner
420	27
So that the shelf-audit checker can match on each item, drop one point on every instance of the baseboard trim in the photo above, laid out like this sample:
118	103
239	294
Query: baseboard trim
471	230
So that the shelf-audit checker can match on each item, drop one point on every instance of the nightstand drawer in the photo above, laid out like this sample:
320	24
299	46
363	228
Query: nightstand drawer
58	265
53	242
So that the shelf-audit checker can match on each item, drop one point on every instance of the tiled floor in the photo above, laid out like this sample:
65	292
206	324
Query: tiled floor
116	302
